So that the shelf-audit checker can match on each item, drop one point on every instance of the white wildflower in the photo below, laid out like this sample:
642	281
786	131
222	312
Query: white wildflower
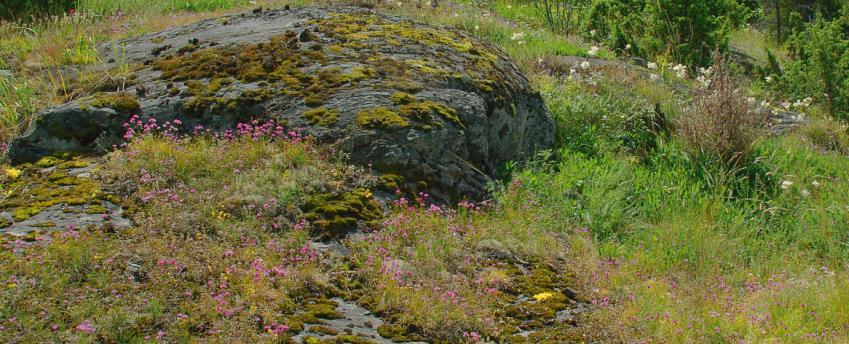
815	183
518	36
592	33
585	65
680	71
768	79
593	51
654	77
627	47
652	65
786	105
805	192
785	184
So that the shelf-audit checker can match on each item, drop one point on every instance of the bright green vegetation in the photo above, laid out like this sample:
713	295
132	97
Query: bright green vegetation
670	242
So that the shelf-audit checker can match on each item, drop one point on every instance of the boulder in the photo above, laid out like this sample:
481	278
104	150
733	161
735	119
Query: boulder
436	108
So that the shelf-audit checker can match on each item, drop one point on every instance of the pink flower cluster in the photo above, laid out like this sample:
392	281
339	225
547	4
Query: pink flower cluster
172	129
221	297
473	337
276	328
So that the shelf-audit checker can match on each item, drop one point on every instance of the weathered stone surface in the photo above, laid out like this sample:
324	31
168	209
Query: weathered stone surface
435	106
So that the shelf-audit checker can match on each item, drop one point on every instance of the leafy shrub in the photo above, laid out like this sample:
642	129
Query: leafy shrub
820	66
720	125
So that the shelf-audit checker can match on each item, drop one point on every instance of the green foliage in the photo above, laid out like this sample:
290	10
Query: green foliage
820	66
683	30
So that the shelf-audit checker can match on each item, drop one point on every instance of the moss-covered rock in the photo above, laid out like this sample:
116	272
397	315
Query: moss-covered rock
430	104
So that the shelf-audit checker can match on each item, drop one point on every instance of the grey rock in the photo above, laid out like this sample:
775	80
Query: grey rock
499	118
73	127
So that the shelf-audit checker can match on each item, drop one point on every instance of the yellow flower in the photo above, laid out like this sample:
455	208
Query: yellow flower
11	285
542	297
13	173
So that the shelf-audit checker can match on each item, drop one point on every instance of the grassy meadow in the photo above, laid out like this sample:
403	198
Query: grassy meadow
668	243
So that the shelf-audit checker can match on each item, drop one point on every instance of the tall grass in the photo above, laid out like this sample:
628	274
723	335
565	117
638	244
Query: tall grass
17	101
155	7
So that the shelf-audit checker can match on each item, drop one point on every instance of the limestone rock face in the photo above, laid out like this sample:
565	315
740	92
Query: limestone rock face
435	106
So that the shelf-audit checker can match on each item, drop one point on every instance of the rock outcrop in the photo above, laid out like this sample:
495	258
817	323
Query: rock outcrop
434	108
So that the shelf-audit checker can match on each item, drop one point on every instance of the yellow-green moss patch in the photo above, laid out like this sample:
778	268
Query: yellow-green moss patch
37	191
322	116
118	101
401	98
427	111
381	117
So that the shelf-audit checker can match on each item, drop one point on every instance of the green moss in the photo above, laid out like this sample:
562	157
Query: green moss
46	162
323	330
381	118
404	85
4	222
96	209
311	340
323	311
118	101
426	112
360	73
390	182
531	311
322	116
332	214
400	98
199	105
353	339
24	213
75	163
396	333
256	96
